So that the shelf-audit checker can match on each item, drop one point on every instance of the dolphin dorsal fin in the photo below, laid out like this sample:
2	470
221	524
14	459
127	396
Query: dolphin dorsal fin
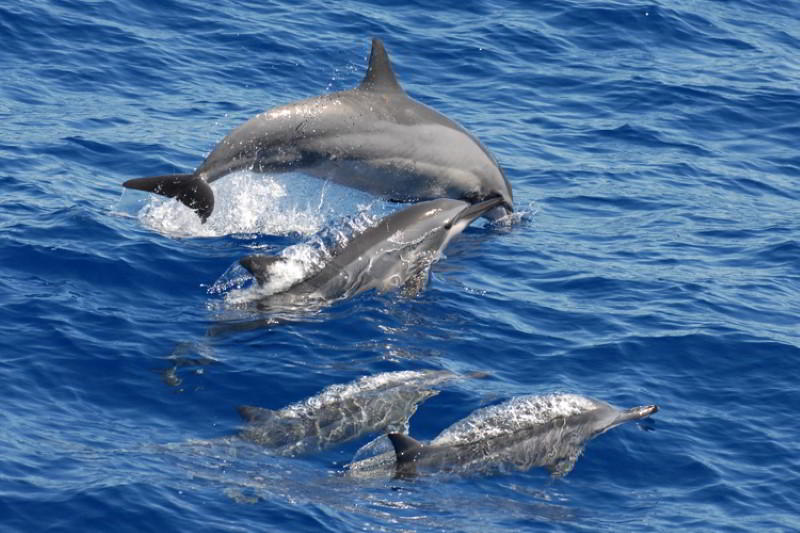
254	414
405	447
380	76
258	265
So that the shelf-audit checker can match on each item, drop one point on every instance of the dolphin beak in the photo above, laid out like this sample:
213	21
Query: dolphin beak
643	411
502	209
475	210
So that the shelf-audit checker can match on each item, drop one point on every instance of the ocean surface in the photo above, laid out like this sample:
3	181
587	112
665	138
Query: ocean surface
654	258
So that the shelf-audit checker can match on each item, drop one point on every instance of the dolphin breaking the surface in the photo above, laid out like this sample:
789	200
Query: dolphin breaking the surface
396	252
530	431
374	138
343	412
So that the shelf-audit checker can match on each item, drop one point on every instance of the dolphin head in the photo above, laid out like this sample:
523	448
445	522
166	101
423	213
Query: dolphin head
488	178
503	190
441	219
495	184
492	183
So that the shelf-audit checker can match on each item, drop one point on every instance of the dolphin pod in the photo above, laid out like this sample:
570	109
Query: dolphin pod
547	431
374	138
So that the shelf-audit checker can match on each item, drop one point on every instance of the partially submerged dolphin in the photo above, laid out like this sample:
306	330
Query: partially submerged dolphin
531	431
396	252
374	138
343	412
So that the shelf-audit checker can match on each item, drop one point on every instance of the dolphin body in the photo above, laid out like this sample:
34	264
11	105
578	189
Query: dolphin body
343	412
530	431
395	252
374	138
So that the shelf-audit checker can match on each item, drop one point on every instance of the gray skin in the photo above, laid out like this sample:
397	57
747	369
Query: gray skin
396	252
374	138
340	413
501	439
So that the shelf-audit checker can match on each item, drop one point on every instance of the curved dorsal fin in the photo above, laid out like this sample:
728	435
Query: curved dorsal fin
380	76
405	448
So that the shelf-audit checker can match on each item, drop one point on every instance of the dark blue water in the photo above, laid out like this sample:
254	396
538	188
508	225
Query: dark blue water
653	152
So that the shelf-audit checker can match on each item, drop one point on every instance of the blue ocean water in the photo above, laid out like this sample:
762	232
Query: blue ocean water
653	152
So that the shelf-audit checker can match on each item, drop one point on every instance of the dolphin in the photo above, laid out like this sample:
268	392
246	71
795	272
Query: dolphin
374	138
343	412
395	252
531	431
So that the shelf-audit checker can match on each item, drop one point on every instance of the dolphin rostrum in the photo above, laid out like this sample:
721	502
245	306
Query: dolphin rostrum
396	252
530	431
343	412
374	138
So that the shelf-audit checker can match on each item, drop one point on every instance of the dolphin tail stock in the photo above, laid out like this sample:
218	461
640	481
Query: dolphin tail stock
189	189
258	265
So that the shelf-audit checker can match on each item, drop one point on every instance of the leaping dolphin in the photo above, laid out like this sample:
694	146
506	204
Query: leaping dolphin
374	138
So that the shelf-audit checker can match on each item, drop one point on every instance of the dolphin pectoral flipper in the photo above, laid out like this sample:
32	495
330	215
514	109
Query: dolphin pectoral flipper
258	265
414	285
190	189
563	466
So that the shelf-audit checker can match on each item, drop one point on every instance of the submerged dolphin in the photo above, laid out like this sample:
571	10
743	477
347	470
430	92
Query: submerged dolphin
395	252
341	413
374	138
547	431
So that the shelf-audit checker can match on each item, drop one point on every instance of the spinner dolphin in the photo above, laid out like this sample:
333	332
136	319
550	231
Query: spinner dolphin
343	412
394	253
530	431
374	138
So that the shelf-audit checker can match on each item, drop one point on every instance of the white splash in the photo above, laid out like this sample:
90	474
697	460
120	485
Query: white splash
300	261
250	203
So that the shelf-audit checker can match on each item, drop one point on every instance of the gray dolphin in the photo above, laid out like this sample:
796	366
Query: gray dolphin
546	431
396	252
374	138
343	412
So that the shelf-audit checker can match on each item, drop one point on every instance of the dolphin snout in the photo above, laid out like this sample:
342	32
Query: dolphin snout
501	211
647	410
